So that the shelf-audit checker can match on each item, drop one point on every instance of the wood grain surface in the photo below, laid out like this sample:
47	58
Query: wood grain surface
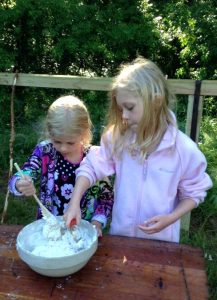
122	268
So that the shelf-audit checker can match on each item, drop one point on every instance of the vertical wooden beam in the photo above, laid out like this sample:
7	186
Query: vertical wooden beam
192	129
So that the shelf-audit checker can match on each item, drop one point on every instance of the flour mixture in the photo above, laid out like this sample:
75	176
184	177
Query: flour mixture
50	240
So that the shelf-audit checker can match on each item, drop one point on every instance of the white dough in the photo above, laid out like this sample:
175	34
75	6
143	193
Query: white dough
54	240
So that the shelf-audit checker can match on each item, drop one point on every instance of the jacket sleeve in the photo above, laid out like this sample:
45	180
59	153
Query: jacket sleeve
31	167
104	201
98	163
195	181
97	203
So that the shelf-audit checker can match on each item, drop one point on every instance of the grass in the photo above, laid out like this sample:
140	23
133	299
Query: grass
21	211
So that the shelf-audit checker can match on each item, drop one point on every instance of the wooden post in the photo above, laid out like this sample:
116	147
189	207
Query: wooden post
192	129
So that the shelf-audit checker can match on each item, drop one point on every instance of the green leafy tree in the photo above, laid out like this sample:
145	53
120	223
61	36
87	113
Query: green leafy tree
189	35
75	37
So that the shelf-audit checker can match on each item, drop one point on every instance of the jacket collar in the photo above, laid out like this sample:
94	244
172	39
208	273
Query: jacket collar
169	137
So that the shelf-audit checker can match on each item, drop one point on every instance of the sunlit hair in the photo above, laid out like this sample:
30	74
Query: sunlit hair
145	79
68	117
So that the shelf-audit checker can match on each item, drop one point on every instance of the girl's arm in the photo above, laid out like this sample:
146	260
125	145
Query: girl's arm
97	164
31	170
191	190
184	206
73	211
158	223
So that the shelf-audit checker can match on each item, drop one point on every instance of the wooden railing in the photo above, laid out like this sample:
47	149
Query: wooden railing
194	89
178	86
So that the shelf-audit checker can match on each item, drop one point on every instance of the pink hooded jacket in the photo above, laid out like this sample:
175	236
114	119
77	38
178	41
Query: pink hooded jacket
173	172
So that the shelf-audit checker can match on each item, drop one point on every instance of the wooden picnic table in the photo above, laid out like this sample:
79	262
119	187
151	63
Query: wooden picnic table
122	268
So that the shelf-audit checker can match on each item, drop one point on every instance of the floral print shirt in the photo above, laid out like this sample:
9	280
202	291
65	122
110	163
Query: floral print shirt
57	180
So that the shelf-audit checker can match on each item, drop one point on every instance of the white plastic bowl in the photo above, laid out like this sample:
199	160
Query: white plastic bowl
54	266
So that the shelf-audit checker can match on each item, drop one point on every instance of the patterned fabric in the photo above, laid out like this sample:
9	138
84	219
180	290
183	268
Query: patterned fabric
64	178
97	202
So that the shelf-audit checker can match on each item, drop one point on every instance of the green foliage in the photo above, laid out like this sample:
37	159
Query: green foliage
208	146
74	37
70	37
210	107
20	211
189	35
97	103
204	218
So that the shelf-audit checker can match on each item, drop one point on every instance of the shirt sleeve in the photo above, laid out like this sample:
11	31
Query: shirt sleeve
12	185
195	181
104	203
31	167
98	163
97	202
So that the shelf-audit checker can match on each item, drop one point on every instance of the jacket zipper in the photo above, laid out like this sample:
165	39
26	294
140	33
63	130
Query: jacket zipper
145	167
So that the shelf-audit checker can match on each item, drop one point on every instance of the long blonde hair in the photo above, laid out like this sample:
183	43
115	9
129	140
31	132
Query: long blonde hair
144	78
68	116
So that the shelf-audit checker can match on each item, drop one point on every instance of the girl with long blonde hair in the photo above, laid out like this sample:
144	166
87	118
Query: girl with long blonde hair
159	171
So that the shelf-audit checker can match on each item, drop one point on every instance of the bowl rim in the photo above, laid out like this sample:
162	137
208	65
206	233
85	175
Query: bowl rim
18	244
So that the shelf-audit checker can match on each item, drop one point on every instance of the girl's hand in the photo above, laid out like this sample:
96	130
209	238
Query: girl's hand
73	212
98	227
156	224
25	186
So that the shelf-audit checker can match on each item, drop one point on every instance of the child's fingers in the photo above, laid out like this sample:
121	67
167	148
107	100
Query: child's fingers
25	186
73	222
99	232
28	179
148	231
25	181
149	222
149	226
78	219
98	226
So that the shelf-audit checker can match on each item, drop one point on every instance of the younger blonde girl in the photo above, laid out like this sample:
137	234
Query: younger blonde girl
55	160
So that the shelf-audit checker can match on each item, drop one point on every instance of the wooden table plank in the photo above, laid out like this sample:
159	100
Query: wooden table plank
121	268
